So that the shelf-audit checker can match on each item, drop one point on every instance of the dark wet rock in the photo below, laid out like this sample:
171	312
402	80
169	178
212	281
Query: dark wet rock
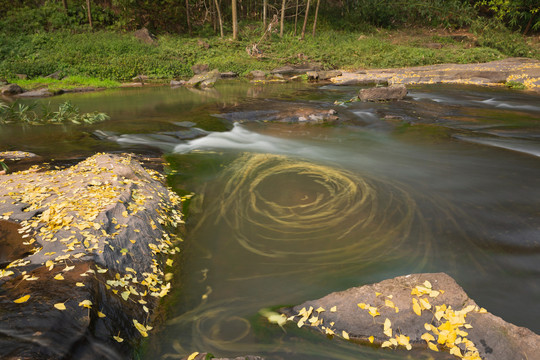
207	356
349	311
11	246
176	83
145	36
11	89
228	75
323	75
296	69
97	230
55	75
22	76
187	134
37	93
257	75
203	80
383	93
186	124
200	68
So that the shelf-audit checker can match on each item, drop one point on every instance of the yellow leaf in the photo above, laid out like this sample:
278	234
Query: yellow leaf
124	213
425	304
389	303
333	309
345	335
22	299
482	311
371	338
416	308
100	314
387	328
142	329
125	295
362	306
169	262
427	284
456	351
386	344
79	284
373	311
58	277
86	304
432	346
60	306
427	337
193	356
378	294
118	338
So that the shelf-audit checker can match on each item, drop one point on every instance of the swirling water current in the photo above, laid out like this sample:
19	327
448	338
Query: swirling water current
447	180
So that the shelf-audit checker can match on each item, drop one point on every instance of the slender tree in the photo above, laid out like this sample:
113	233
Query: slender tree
187	17
316	14
296	18
265	6
64	4
234	11
305	20
282	18
219	18
89	11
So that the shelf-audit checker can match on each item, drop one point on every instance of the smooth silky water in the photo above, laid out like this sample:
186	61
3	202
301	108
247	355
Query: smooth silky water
447	180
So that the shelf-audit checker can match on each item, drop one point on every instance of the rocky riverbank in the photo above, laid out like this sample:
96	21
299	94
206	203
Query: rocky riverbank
87	258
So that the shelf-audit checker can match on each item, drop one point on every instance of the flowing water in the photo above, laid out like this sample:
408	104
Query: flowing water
447	180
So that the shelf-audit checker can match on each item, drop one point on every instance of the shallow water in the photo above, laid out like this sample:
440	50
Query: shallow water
447	180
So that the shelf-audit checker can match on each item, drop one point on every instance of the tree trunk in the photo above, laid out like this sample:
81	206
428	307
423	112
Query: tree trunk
282	18
316	14
89	11
187	17
219	18
296	18
528	27
305	20
265	5
64	4
234	20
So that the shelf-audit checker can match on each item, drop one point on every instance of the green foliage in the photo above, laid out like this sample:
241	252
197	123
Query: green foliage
493	34
515	85
518	14
67	113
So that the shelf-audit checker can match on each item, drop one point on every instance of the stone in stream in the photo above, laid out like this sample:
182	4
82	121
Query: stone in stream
421	311
11	89
203	80
383	93
207	356
94	274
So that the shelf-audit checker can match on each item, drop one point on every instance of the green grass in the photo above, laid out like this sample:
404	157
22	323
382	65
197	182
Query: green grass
102	58
71	82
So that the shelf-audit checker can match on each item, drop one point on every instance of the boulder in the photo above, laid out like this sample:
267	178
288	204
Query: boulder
11	89
203	80
55	75
200	68
95	271
323	75
417	311
257	75
383	93
228	75
16	155
145	36
296	69
176	83
37	93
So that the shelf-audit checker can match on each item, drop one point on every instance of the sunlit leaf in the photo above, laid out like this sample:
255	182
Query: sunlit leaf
193	355
456	351
432	346
58	277
86	304
100	314
386	344
79	284
125	294
371	338
333	309
416	307
345	335
60	306
118	338
22	299
427	337
387	328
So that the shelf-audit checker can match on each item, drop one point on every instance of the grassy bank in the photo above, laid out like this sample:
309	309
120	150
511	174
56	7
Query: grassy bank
104	57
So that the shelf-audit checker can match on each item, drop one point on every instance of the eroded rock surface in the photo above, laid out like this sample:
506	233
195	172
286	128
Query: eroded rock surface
383	93
420	310
89	286
203	80
521	70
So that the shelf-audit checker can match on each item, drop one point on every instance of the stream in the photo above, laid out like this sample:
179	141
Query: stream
447	180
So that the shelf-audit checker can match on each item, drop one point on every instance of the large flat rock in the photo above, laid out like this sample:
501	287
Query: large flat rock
418	311
495	73
96	269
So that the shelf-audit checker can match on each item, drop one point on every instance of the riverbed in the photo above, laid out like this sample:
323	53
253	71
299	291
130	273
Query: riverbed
447	180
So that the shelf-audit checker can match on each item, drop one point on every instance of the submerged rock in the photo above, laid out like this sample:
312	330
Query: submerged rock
383	93
95	271
422	311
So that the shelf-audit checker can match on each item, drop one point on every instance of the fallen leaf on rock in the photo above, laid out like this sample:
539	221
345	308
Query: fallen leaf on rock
22	299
